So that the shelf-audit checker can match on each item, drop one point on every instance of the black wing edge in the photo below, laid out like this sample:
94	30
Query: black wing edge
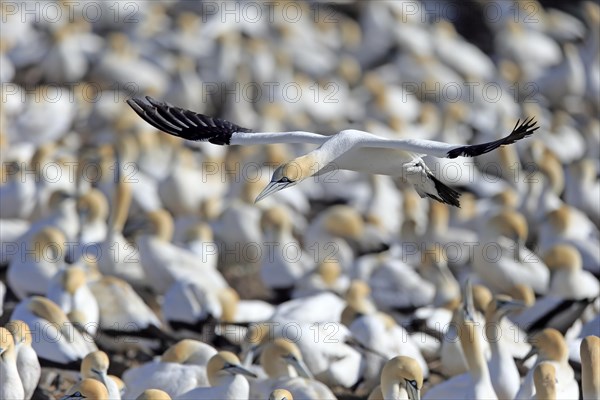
519	132
183	123
445	194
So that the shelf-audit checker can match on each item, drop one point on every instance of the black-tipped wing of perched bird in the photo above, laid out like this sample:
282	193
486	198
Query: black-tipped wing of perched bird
349	149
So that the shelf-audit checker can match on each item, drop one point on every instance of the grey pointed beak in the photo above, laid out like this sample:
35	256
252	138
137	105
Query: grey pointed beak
103	377
249	351
413	392
300	366
271	188
468	305
238	369
513	305
531	353
518	244
352	342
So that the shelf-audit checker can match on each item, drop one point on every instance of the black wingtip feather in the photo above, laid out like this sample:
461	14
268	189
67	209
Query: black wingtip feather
520	131
184	123
445	194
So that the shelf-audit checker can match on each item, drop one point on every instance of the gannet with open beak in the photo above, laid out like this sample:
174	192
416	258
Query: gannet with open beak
349	149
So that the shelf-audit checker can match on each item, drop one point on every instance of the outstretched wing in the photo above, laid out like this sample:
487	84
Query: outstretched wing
519	132
449	150
183	123
190	125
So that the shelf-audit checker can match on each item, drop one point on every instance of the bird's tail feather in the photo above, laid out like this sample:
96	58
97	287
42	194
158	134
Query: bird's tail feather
439	192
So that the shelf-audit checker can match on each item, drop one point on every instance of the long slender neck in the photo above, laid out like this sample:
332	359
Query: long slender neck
9	374
471	345
391	390
546	391
493	332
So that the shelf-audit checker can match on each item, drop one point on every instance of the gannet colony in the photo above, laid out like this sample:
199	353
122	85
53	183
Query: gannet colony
288	200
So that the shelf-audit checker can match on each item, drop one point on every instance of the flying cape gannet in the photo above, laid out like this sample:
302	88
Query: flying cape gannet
349	149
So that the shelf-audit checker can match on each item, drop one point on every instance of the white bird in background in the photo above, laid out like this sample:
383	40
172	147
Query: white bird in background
570	292
69	290
476	383
379	333
279	271
180	369
503	371
283	364
501	260
116	256
12	387
61	344
348	149
164	263
123	312
582	188
27	361
32	273
227	378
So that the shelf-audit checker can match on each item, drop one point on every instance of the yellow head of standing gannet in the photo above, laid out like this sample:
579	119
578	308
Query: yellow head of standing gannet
222	364
281	353
550	345
402	371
